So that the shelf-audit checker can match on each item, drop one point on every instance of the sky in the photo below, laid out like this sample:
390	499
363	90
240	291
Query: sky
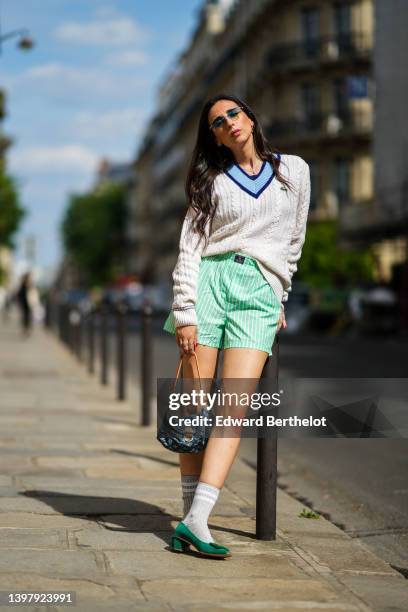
85	91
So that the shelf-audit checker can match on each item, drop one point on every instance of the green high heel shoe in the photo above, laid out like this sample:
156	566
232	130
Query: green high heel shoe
183	538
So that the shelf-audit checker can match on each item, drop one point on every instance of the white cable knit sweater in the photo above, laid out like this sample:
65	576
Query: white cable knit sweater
271	229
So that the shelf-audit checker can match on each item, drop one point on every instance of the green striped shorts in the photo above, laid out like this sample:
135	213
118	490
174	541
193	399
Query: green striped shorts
235	306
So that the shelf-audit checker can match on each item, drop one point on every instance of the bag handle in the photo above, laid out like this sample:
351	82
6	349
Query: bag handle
179	369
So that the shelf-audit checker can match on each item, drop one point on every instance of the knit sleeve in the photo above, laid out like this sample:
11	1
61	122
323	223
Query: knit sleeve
298	237
185	273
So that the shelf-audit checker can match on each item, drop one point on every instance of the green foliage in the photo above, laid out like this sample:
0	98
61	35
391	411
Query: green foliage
325	264
93	231
11	211
2	105
309	514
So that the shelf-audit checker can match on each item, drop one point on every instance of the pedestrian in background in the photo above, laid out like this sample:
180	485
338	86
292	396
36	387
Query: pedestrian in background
27	299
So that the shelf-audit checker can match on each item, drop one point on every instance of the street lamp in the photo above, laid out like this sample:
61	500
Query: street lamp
25	41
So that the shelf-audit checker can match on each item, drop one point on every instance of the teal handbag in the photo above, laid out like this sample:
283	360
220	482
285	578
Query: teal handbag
181	438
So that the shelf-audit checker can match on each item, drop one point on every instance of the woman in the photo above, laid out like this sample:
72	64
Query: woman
240	242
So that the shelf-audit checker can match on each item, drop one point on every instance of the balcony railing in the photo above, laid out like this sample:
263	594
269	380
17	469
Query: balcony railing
352	46
386	215
323	125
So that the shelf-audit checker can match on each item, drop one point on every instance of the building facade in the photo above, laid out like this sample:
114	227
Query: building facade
304	66
384	224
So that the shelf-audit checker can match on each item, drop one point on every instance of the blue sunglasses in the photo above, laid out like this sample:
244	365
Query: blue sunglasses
220	121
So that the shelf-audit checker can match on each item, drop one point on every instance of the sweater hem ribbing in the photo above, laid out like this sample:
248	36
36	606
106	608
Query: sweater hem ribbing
185	317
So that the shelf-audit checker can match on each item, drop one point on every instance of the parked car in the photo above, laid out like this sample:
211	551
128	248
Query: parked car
78	299
297	308
134	297
379	307
160	297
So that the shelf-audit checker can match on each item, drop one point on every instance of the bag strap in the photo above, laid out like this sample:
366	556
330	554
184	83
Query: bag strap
179	369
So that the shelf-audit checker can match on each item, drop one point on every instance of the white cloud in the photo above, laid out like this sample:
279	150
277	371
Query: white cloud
115	133
127	58
72	76
66	158
78	84
44	71
128	119
104	30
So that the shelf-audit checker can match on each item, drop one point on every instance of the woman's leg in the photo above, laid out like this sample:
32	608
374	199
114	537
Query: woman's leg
245	363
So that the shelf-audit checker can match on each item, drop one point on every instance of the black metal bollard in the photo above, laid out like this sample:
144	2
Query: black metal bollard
267	469
79	334
146	359
121	351
75	332
104	344
71	331
55	317
91	342
60	321
47	313
67	327
63	323
51	321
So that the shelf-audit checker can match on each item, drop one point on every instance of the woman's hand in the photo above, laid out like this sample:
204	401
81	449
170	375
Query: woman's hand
282	320
186	338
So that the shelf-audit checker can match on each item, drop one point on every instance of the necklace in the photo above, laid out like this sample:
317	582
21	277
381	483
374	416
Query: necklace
252	170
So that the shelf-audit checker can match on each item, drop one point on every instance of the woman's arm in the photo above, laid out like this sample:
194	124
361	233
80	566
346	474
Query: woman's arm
298	237
185	273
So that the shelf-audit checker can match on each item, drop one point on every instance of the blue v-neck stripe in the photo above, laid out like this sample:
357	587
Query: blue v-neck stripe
246	182
251	193
253	177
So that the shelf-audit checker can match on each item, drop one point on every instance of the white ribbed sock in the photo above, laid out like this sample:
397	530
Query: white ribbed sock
188	487
196	520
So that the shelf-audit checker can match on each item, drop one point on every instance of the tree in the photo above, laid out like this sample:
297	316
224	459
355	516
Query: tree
93	232
325	264
11	211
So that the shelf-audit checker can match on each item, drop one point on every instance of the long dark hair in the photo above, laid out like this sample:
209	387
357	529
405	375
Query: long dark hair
208	160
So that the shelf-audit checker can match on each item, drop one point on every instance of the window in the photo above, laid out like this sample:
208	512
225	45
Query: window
310	28
357	86
310	105
342	25
341	179
340	98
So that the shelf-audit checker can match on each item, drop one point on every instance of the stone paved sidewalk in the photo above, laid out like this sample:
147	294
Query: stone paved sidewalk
88	500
